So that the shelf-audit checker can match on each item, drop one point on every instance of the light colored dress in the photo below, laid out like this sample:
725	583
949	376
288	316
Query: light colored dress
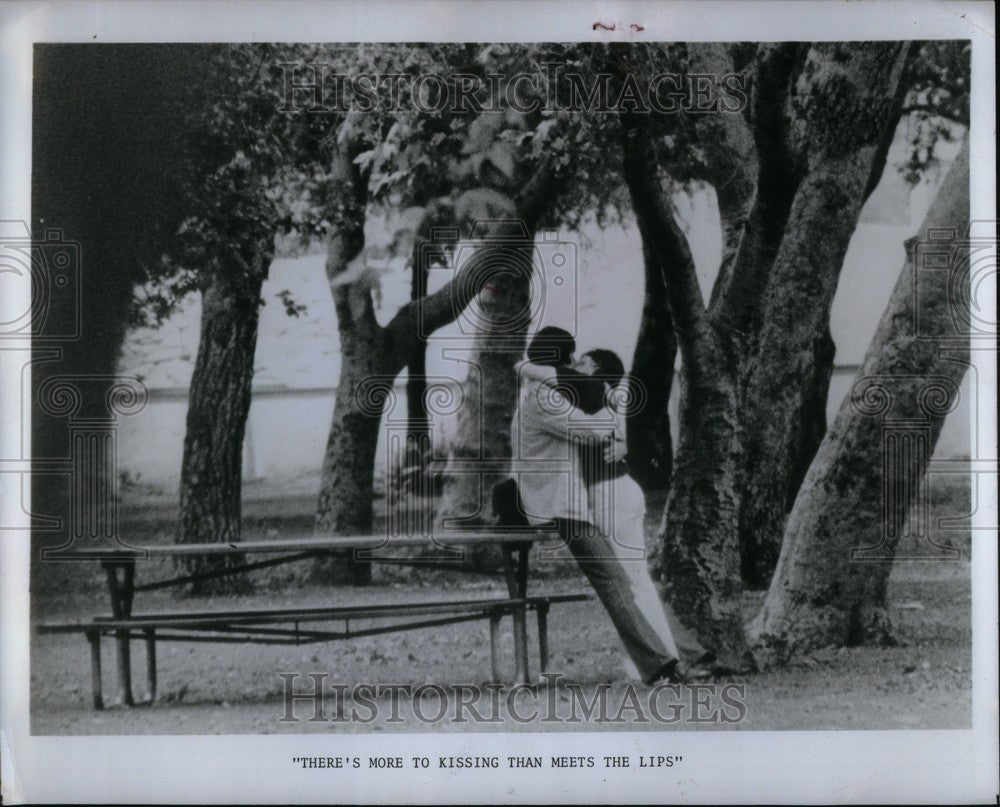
618	509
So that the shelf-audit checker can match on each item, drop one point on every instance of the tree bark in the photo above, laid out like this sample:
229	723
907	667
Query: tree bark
739	288
730	157
502	267
92	178
812	419
698	561
218	404
437	213
650	447
845	119
481	452
830	585
345	495
371	358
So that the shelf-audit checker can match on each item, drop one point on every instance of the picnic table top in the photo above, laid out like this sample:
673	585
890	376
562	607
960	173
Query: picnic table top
310	543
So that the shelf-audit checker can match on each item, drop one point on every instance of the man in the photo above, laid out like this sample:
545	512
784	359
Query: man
547	434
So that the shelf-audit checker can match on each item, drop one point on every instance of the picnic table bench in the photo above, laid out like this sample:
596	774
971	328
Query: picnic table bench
300	625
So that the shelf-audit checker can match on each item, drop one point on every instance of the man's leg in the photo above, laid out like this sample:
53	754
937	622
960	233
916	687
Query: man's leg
613	586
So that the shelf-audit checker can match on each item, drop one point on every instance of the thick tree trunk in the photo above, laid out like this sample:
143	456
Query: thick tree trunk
730	157
847	118
481	452
346	488
501	270
739	289
344	504
698	561
219	401
812	419
371	358
831	580
93	180
650	447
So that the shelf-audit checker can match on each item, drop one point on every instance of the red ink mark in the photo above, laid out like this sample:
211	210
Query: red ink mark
602	26
636	28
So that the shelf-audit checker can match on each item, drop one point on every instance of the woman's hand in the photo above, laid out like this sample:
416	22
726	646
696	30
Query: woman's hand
537	372
615	451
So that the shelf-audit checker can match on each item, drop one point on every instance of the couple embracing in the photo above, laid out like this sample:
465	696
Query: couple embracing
568	438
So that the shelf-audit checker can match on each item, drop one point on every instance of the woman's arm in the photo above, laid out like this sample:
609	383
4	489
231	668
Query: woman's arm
537	372
582	391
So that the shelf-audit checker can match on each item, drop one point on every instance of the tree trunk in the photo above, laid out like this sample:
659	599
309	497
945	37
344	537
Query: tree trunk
812	419
345	496
344	505
481	452
739	288
846	118
418	426
502	269
650	447
371	358
219	401
427	250
698	560
94	126
830	585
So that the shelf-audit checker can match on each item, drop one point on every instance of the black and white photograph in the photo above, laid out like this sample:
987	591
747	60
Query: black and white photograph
414	406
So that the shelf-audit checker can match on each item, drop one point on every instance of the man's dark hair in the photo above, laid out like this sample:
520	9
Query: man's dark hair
609	365
552	347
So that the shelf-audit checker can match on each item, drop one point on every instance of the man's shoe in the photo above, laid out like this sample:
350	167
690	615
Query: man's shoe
699	673
670	674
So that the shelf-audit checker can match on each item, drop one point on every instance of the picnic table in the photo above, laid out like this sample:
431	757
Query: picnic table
299	625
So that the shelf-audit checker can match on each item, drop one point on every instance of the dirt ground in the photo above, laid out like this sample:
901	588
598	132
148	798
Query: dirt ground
923	682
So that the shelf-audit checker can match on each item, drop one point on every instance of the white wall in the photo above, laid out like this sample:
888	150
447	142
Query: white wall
598	296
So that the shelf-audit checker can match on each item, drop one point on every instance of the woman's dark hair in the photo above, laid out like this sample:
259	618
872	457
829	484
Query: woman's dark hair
609	365
551	347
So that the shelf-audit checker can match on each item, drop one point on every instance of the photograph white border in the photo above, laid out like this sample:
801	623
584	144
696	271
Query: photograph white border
718	766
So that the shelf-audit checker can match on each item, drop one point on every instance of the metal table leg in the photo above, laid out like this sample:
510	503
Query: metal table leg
495	646
122	590
151	663
543	637
94	638
516	573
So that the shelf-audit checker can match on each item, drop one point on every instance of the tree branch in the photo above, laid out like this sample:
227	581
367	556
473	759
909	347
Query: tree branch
666	240
737	296
730	156
419	318
537	196
349	284
887	134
